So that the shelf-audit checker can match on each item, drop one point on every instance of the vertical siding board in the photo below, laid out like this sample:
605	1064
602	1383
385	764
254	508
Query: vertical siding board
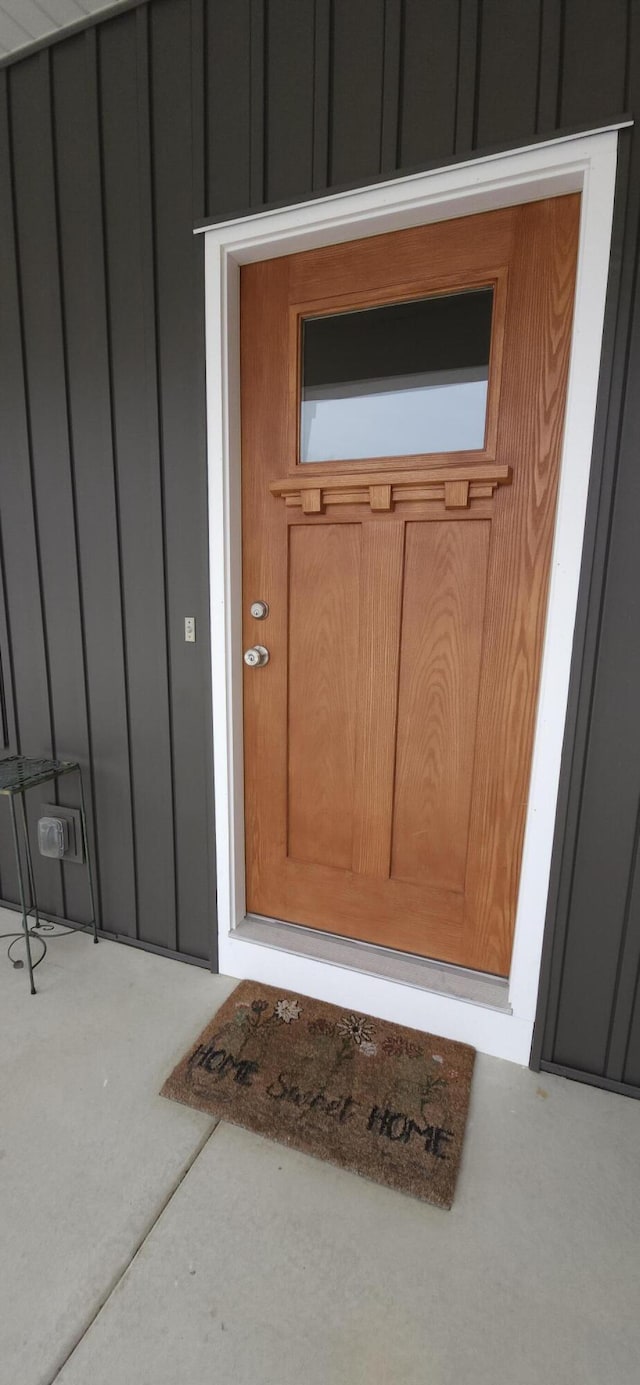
7	711
623	1057
606	840
198	109
549	65
357	61
594	52
289	99
257	95
178	290
129	254
429	61
82	258
228	34
391	86
624	1041
321	94
508	74
8	874
199	166
13	449
468	61
625	1045
632	1060
49	429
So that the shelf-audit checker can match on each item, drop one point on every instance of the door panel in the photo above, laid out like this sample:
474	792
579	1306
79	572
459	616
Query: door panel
442	632
324	586
388	740
380	613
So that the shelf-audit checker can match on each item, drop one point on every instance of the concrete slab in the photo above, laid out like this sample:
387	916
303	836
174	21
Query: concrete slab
89	1153
269	1266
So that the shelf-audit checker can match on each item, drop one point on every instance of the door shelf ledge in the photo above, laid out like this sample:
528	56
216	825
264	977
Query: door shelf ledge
457	486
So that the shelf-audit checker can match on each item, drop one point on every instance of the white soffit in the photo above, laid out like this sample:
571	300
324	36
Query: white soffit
23	22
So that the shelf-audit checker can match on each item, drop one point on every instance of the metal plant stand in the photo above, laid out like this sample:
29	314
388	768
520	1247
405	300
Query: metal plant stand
18	773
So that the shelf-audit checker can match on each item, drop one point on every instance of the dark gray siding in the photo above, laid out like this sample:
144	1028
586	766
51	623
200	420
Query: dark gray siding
112	143
103	478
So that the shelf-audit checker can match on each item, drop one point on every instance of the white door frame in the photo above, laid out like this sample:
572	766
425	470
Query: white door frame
586	164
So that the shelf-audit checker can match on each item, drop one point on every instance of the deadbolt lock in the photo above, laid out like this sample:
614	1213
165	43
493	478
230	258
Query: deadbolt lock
259	610
256	657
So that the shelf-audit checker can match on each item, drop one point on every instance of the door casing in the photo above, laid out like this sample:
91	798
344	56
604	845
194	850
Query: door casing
585	164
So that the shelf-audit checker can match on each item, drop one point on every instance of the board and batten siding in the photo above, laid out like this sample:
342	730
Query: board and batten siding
113	143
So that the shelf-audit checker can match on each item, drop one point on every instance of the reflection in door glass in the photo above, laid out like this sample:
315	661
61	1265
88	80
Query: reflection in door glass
401	379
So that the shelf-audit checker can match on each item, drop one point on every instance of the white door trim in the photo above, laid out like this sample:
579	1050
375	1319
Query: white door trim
586	163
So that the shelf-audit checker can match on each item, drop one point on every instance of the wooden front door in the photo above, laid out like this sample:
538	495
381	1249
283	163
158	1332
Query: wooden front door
402	414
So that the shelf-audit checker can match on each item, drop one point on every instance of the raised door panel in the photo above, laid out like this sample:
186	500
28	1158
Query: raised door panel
324	602
380	614
442	635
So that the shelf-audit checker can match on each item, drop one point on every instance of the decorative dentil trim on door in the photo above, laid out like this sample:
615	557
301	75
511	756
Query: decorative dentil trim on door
457	486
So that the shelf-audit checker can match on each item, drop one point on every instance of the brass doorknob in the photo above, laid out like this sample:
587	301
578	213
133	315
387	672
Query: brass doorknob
256	657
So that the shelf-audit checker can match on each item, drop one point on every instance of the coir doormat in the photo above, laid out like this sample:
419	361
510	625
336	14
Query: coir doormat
384	1101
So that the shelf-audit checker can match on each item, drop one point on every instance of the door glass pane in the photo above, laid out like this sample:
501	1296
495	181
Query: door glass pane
400	379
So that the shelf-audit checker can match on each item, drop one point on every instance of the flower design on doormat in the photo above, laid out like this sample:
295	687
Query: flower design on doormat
258	1014
356	1028
434	1086
287	1010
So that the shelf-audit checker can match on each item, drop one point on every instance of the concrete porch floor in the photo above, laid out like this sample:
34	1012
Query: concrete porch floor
143	1245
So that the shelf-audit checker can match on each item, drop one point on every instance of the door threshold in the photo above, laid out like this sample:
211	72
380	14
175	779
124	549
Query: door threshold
422	973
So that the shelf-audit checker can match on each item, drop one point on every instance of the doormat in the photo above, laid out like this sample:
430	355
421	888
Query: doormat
381	1100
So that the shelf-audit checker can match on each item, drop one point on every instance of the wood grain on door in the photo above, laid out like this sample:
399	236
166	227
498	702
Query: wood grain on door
388	741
